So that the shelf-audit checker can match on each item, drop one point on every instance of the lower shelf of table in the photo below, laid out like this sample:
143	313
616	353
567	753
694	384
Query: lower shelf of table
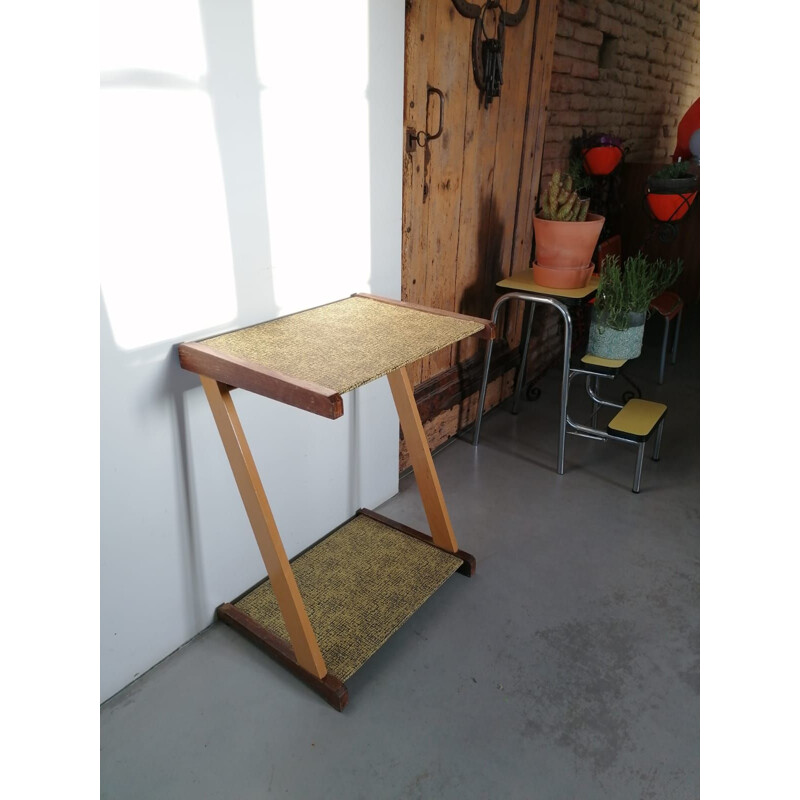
359	585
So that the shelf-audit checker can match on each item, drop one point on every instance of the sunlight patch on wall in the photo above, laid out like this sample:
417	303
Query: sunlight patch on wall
165	251
316	153
152	35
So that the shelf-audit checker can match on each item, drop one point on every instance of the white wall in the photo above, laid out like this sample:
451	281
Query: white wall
250	167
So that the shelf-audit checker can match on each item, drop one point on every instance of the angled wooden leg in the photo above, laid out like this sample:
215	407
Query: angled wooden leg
421	460
301	634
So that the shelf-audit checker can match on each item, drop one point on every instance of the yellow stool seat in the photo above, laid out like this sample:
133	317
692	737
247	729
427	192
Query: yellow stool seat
637	419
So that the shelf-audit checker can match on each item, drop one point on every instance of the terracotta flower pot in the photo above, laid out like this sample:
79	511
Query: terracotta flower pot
566	244
562	277
602	160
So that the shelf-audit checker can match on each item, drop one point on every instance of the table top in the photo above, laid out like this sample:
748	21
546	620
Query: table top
309	359
523	282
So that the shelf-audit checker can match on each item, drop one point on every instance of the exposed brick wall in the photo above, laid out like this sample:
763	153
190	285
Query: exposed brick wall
652	78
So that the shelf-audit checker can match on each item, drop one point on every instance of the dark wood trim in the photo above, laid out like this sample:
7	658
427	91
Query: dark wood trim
488	332
467	568
330	688
243	374
458	382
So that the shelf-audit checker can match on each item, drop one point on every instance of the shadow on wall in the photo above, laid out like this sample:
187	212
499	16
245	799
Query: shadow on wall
142	301
217	191
479	297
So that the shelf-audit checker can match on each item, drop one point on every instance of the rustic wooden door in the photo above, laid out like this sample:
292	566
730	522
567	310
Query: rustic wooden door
469	194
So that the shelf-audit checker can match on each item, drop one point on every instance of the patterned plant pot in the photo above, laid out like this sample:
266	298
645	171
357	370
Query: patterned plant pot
608	342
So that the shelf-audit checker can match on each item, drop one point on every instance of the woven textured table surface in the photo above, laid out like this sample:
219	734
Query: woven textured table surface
345	344
359	585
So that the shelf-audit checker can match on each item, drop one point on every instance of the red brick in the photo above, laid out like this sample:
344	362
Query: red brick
564	118
674	48
562	64
565	28
610	26
585	69
560	102
660	70
633	47
566	84
588	35
631	64
557	151
573	49
616	90
577	12
579	102
656	56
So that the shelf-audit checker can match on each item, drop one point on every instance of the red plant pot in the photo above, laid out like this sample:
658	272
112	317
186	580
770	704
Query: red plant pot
670	207
602	160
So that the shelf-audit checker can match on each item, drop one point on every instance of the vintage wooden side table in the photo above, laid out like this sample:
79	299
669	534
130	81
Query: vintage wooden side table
325	613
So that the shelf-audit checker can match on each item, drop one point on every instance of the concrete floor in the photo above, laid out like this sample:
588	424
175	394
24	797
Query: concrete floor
568	667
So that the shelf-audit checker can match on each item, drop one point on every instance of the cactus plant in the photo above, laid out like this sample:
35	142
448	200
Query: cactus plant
561	201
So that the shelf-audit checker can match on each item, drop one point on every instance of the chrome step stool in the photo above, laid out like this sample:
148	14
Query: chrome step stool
635	422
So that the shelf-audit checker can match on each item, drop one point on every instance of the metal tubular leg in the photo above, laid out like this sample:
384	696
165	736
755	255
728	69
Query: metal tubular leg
657	446
637	478
482	399
562	425
524	362
486	362
674	356
663	351
595	404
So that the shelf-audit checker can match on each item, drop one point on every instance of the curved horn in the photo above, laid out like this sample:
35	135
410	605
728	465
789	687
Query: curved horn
514	19
469	10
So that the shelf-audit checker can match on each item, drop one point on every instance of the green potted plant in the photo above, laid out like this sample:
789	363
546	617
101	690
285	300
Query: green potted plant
565	234
623	298
671	191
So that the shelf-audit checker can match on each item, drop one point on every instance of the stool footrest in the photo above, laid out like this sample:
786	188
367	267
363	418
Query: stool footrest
637	420
595	365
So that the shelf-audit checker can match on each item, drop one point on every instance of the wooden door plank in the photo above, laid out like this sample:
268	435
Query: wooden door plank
420	38
476	264
508	156
535	127
448	72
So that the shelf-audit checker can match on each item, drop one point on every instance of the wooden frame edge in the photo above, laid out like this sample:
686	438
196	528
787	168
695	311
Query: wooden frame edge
489	330
240	373
467	568
330	688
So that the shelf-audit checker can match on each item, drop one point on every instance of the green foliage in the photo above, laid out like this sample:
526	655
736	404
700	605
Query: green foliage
561	201
581	180
632	288
678	169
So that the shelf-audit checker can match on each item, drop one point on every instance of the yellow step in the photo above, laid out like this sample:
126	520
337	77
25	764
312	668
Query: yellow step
595	365
599	361
637	420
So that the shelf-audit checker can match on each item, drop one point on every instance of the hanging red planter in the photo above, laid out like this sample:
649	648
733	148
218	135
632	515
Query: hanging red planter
669	198
670	207
602	160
